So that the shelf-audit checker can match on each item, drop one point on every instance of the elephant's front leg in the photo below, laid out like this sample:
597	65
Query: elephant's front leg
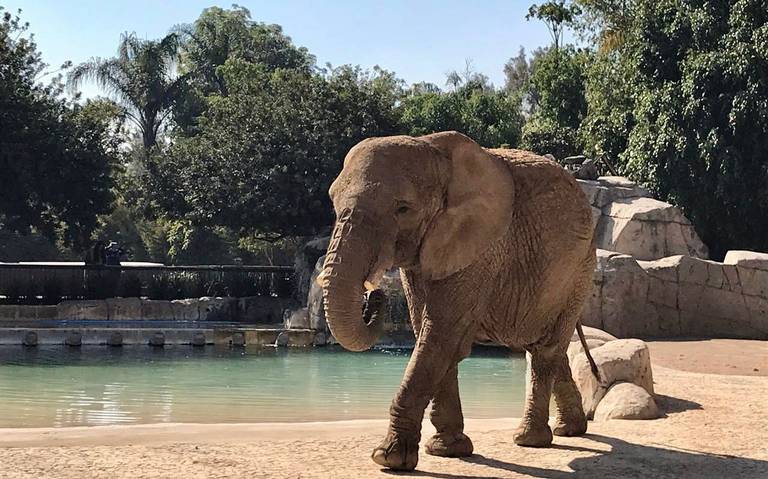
438	349
446	416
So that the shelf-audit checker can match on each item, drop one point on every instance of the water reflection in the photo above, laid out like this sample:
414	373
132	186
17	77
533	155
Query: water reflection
56	386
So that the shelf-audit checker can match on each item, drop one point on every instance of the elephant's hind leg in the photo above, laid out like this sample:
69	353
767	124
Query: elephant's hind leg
571	420
446	416
534	430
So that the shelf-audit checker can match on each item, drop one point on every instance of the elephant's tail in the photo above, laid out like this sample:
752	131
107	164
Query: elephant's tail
590	359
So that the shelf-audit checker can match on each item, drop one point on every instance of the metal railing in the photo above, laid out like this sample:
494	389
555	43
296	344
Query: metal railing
50	283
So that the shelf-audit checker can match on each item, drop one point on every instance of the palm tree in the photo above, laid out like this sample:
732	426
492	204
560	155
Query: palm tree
142	78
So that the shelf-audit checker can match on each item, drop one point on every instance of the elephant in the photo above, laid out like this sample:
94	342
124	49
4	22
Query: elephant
490	243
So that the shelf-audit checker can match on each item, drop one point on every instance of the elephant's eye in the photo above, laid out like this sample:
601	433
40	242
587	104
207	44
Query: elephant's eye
403	210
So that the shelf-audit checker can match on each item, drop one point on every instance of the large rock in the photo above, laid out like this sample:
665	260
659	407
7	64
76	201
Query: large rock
297	319
626	360
304	265
627	401
315	308
627	220
647	229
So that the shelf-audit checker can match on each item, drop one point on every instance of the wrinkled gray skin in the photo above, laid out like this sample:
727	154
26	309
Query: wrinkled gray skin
491	244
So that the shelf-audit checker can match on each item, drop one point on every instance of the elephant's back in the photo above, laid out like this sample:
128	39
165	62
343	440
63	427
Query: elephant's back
543	187
549	252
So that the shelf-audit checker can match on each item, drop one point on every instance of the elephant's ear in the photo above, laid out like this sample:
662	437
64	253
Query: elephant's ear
476	210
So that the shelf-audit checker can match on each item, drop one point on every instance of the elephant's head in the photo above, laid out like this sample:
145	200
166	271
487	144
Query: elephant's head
433	203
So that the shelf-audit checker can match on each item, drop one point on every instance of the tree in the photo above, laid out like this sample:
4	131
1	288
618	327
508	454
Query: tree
267	152
218	35
604	22
142	78
556	15
697	74
57	158
491	118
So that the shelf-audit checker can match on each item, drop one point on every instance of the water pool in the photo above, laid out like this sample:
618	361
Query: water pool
58	386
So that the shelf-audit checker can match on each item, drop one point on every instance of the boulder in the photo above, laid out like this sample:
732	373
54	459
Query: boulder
627	401
315	299
627	220
593	333
297	319
587	171
647	229
305	264
626	360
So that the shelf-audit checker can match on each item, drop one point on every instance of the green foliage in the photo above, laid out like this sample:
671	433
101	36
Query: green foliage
543	136
556	15
693	113
56	159
269	150
558	80
489	117
142	78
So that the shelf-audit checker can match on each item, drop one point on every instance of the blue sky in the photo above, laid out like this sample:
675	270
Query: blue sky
419	40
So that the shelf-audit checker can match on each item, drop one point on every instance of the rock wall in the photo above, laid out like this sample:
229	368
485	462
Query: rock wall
680	296
255	309
629	221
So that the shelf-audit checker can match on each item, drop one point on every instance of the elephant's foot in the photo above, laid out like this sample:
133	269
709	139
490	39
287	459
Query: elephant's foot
532	435
449	445
397	452
571	425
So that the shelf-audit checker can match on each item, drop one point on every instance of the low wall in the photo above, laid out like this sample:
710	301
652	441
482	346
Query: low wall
680	296
254	309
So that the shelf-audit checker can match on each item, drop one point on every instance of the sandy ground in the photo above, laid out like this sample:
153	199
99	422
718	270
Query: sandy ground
716	427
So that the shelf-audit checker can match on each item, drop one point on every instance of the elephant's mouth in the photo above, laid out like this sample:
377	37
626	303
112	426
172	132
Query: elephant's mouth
375	306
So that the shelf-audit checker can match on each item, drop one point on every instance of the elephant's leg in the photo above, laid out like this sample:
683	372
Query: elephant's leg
439	346
534	429
446	416
571	420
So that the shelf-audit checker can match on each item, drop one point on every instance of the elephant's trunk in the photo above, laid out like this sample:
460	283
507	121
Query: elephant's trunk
354	320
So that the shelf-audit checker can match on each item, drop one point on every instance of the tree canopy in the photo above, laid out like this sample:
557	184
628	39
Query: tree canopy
56	158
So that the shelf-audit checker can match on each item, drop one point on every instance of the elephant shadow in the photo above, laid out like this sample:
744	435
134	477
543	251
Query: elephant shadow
625	459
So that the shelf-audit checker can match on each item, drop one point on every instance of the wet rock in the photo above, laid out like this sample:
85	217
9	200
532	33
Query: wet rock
115	339
627	401
297	319
305	265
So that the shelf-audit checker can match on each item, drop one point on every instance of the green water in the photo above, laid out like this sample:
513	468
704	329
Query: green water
57	386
